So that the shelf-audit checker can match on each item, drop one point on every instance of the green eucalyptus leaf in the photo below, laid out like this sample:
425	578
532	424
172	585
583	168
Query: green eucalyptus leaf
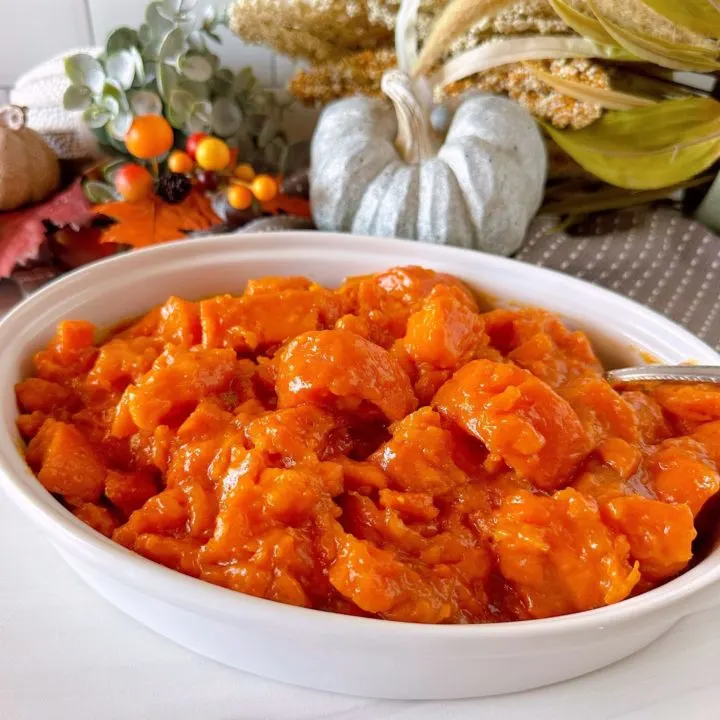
109	169
96	116
85	70
77	97
144	35
110	104
140	78
182	103
113	89
244	80
195	67
172	45
122	38
99	192
200	91
150	73
158	25
200	117
118	127
120	66
167	80
226	117
269	130
145	102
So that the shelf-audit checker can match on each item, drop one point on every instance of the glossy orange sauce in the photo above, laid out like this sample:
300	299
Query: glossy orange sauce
383	449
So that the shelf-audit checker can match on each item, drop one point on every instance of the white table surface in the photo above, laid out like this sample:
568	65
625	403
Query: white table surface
66	654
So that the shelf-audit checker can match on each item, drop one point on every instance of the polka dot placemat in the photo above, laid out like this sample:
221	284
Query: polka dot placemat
659	259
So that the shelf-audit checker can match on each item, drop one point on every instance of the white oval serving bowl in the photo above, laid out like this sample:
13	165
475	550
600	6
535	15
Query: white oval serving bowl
306	647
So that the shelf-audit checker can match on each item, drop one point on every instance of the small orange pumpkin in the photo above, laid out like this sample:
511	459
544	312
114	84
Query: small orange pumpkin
29	169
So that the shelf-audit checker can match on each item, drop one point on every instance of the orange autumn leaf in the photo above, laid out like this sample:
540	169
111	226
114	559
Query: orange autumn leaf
152	220
288	204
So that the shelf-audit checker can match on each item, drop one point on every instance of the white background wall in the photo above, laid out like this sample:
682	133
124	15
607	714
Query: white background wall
34	30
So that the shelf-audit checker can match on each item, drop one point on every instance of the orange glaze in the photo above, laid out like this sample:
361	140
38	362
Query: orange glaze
383	449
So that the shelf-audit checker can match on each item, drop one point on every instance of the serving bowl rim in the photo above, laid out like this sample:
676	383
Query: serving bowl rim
205	598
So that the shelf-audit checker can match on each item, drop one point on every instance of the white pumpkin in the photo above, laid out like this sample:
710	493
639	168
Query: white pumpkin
380	169
40	91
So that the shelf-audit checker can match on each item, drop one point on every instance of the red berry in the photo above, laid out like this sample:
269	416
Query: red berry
133	182
207	180
192	143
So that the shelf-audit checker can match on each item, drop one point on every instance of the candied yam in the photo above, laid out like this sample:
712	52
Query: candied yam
539	342
698	403
202	508
377	582
67	464
559	555
97	517
130	491
293	433
175	386
419	457
290	495
265	319
652	423
176	553
361	476
680	471
163	514
338	367
121	362
412	283
69	353
29	425
36	394
660	535
271	284
180	322
206	421
73	337
444	332
708	435
622	457
519	418
412	505
602	411
272	444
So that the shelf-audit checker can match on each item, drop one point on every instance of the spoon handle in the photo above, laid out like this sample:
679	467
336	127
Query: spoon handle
665	373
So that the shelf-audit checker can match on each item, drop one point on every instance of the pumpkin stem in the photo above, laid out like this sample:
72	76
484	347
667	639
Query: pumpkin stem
12	117
415	139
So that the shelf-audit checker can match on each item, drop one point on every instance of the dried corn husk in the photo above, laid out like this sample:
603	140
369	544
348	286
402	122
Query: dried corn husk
648	148
652	37
699	16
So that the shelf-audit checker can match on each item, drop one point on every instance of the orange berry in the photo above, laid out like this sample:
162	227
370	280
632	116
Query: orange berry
245	172
239	197
180	162
212	154
133	182
149	137
264	188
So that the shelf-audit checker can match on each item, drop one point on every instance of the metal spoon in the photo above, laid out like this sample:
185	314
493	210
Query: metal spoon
665	373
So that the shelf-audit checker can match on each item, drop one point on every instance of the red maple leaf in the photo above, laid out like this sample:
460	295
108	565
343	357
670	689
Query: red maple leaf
22	232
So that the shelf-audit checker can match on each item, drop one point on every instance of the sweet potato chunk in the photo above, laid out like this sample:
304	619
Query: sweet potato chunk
341	368
559	555
519	418
67	464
